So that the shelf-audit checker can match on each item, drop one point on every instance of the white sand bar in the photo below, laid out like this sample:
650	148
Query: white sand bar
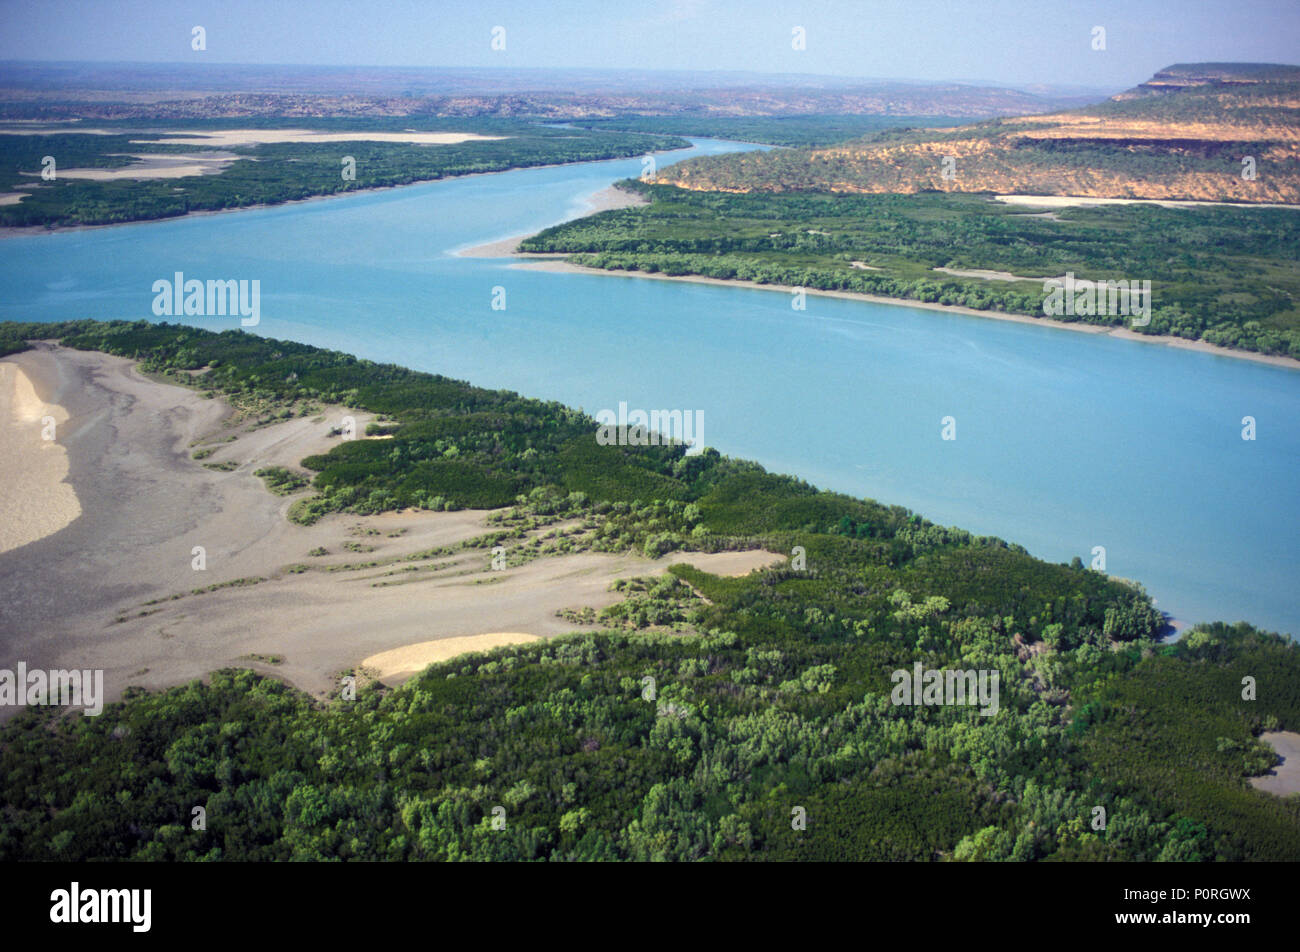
220	138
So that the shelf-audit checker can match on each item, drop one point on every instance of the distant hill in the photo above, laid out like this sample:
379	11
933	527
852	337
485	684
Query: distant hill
172	91
1183	134
1193	75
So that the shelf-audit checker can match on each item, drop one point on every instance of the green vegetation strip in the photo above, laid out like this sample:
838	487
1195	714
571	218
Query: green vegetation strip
281	172
1227	276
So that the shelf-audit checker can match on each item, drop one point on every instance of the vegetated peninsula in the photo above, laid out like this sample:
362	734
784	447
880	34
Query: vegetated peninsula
1202	132
693	718
878	216
1221	276
124	170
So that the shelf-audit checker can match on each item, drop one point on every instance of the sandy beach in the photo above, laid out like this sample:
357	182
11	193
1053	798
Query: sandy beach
556	262
114	587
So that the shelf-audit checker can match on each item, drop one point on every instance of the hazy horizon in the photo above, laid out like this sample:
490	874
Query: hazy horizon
552	78
999	42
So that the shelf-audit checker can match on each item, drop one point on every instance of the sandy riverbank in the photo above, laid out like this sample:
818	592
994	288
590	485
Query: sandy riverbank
602	201
558	264
115	588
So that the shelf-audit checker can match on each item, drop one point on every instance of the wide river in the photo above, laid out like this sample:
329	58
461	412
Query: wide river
1065	441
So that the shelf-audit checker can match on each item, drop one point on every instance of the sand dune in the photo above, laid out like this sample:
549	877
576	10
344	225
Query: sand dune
115	589
35	499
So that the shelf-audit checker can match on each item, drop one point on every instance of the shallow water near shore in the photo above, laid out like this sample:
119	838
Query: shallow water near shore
1064	442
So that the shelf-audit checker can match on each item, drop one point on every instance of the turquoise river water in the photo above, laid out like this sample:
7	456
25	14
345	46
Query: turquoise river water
1065	441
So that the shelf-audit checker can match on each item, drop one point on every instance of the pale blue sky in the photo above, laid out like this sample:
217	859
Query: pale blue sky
1009	41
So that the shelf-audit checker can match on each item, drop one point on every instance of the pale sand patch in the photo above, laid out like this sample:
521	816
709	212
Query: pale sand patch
555	262
139	173
35	499
1283	779
994	275
1064	201
154	167
229	137
728	564
609	198
606	199
12	198
412	659
863	266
